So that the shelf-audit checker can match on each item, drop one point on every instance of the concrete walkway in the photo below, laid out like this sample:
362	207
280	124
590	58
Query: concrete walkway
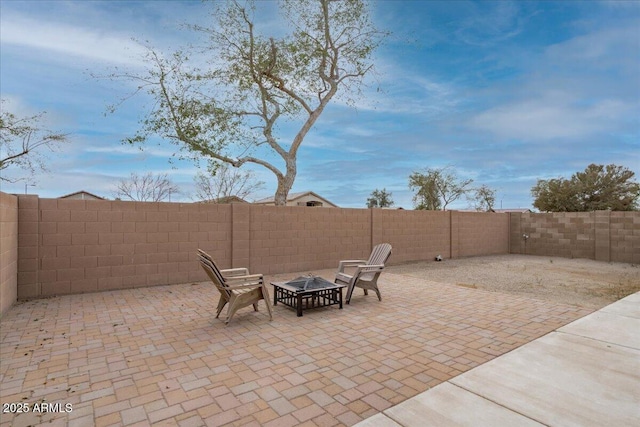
586	373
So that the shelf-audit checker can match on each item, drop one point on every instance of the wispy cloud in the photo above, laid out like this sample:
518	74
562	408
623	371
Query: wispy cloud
128	150
551	116
602	50
410	94
581	88
490	23
85	43
505	92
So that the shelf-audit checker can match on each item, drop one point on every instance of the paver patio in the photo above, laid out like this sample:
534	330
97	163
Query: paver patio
157	356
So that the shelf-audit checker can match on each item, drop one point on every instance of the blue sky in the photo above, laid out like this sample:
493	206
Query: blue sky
503	92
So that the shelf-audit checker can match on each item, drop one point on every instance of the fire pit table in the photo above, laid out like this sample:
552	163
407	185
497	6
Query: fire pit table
307	292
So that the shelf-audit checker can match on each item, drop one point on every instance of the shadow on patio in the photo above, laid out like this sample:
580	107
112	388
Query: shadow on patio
152	355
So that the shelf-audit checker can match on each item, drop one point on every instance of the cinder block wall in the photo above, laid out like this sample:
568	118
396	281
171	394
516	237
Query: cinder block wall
601	235
72	246
300	238
8	251
414	235
624	229
28	246
420	235
480	233
563	234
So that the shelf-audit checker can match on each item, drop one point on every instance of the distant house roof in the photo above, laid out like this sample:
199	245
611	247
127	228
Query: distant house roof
231	199
225	200
294	198
517	210
520	210
82	195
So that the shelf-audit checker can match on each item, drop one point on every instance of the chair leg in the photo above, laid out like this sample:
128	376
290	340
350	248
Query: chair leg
231	311
349	292
221	303
265	296
255	306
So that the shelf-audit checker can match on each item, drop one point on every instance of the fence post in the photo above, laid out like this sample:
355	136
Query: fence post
515	233
602	234
240	235
29	246
8	251
376	227
454	234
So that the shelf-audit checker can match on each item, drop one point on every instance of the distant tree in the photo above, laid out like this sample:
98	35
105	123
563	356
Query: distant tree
230	111
21	142
145	188
555	195
598	187
426	195
437	188
224	182
484	198
380	199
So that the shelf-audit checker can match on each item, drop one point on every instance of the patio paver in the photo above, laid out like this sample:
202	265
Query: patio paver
583	374
157	355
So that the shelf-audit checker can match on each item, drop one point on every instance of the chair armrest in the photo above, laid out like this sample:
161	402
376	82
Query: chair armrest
231	272
244	279
367	268
371	266
350	263
245	286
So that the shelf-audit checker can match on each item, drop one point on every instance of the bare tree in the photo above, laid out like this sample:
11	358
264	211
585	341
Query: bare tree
437	188
21	143
146	188
225	182
230	111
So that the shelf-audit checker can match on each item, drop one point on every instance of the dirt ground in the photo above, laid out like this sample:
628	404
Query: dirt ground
580	282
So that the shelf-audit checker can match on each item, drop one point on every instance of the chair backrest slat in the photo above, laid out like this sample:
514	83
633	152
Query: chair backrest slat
212	264
212	270
216	271
379	256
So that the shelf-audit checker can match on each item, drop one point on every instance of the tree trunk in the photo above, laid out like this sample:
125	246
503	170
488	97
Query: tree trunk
285	183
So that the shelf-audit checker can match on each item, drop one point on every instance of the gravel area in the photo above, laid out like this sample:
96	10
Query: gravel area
580	282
